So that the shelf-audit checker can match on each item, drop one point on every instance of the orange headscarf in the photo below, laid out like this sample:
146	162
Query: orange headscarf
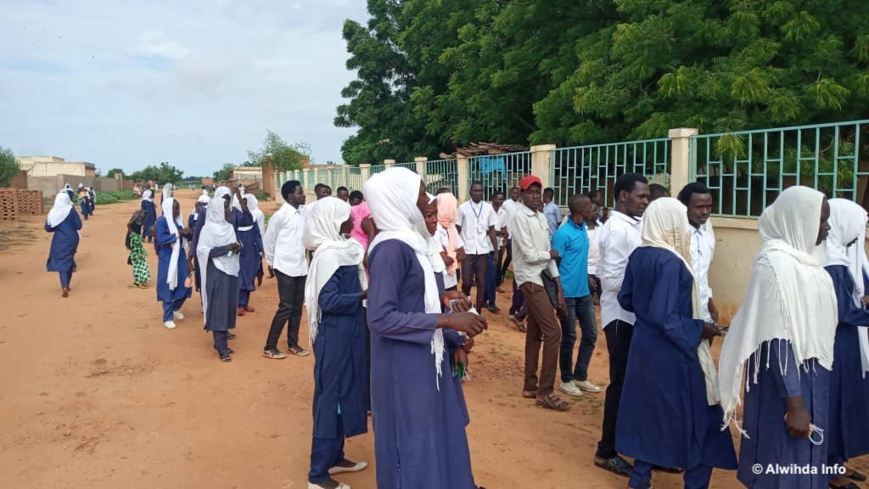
448	215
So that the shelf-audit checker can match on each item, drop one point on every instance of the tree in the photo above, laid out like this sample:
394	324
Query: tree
8	166
225	173
283	156
111	173
163	174
170	173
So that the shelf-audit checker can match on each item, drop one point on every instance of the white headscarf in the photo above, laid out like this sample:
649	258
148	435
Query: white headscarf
331	251
790	296
60	211
168	191
215	233
666	226
848	226
174	225
146	195
258	216
392	196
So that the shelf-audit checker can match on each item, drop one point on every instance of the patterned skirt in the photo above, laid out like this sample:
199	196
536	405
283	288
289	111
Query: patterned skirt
139	260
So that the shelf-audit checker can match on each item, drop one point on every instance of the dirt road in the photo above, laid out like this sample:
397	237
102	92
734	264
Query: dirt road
95	393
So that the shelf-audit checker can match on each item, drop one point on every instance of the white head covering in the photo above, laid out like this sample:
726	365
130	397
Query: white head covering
666	226
146	195
174	225
392	196
331	251
204	199
215	233
258	216
61	209
205	193
67	187
790	296
168	191
848	227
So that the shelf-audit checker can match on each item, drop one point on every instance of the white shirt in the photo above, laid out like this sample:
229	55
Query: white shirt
283	242
509	207
702	252
442	239
500	223
475	221
617	239
531	247
593	247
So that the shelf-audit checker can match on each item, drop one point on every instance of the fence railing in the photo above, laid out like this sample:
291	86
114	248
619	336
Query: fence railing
581	169
441	173
498	172
410	165
746	170
375	169
354	178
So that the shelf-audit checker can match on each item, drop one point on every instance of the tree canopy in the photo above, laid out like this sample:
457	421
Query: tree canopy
162	174
284	157
8	166
224	174
431	76
111	173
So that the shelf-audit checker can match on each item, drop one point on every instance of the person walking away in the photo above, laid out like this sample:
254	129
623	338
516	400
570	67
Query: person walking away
336	286
247	232
495	255
531	257
551	211
848	431
618	238
476	225
92	199
448	239
170	243
670	385
418	409
218	250
697	198
572	244
64	223
784	332
83	202
138	257
285	255
147	205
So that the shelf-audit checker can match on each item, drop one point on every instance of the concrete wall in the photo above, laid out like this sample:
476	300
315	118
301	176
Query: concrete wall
52	185
737	242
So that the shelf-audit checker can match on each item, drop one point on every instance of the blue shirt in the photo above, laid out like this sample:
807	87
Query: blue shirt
553	217
571	242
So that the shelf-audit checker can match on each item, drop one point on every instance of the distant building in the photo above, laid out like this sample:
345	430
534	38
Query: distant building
51	166
247	174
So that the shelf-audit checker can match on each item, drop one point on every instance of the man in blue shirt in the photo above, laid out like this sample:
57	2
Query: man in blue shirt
551	210
571	242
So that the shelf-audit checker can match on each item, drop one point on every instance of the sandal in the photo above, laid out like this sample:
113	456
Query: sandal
616	465
553	402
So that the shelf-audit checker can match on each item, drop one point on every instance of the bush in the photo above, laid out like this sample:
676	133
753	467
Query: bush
114	197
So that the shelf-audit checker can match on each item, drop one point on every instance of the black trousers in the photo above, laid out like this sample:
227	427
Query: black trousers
502	268
291	291
618	343
475	268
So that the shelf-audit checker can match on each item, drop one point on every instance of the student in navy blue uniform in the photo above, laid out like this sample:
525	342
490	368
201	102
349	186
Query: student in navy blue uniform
64	222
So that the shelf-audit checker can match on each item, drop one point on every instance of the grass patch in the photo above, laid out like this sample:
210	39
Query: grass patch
18	236
114	197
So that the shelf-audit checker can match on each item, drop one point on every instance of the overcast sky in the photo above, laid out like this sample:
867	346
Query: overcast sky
195	82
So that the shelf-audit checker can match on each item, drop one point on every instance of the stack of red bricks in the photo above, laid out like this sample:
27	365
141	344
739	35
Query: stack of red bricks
30	203
8	204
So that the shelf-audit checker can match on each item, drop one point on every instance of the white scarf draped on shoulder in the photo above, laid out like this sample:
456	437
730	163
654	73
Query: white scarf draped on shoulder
60	211
666	226
392	197
174	223
846	246
322	235
789	297
216	232
258	216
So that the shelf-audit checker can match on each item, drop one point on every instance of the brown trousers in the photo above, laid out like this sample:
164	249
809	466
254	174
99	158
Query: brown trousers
543	326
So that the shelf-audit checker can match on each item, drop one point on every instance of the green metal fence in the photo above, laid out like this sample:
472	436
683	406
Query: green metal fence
498	172
441	173
747	170
354	178
410	165
376	169
581	169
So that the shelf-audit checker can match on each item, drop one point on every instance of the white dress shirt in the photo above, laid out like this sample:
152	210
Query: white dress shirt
282	243
442	239
509	207
531	247
702	252
475	221
593	248
500	223
617	239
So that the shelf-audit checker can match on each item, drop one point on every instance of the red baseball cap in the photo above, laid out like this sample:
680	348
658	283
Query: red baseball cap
528	181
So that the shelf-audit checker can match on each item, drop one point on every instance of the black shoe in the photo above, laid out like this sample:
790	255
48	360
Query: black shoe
225	357
493	308
230	351
231	336
616	465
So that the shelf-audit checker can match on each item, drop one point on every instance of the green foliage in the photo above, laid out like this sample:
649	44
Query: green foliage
111	173
283	156
224	174
435	75
114	197
165	173
8	167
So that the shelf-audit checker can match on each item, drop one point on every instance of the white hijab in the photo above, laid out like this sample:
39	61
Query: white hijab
392	196
215	233
790	296
174	225
848	226
202	200
61	209
258	216
168	191
146	196
666	226
322	235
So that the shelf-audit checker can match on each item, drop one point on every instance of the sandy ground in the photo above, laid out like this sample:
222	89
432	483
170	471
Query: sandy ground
95	393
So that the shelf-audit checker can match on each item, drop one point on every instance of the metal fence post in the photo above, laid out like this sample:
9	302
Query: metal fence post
680	163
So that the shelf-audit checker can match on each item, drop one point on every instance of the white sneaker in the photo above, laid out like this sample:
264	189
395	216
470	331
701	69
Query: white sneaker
358	467
178	315
586	386
570	389
169	324
341	485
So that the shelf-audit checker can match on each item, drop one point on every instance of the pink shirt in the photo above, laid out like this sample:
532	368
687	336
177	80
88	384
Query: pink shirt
359	213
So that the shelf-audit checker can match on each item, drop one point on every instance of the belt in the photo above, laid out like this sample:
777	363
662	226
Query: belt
245	228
